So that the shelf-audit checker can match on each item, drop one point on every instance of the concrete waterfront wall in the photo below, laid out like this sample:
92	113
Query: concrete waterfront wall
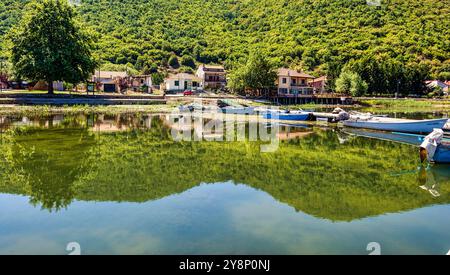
30	99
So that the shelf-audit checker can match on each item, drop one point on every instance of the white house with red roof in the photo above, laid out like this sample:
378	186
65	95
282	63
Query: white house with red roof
292	83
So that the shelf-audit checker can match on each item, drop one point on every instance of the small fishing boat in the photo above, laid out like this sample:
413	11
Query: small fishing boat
193	107
405	138
287	115
434	147
395	124
238	110
232	107
442	154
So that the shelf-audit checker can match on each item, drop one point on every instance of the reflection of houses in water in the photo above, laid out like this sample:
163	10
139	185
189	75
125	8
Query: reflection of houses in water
49	122
218	127
119	123
3	121
287	135
109	126
105	123
95	122
147	122
3	126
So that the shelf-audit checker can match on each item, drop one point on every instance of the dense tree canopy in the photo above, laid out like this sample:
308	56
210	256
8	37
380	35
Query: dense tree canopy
350	82
49	44
408	39
257	75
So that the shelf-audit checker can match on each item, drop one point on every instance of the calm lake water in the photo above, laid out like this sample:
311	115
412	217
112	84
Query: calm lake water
121	185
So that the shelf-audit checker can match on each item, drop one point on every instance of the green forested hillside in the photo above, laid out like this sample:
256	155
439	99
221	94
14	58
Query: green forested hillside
319	36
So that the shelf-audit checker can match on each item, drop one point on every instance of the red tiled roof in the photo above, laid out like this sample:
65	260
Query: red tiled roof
320	79
293	73
183	76
213	66
111	75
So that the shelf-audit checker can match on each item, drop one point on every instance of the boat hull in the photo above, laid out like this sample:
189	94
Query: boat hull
442	154
416	126
239	111
287	116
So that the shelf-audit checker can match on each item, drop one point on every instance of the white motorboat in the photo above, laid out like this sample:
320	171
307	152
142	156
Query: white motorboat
395	124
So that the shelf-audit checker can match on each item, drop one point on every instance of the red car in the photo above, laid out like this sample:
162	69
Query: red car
188	92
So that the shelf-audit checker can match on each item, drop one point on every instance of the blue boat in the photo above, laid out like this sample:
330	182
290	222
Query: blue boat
442	154
287	115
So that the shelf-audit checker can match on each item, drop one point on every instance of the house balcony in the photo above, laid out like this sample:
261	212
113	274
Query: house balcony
293	91
299	85
215	84
215	80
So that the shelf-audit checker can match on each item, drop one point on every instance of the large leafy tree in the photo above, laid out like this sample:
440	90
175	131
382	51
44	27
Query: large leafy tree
350	82
257	75
50	44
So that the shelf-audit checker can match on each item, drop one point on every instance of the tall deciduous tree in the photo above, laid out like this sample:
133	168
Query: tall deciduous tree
350	82
50	44
258	74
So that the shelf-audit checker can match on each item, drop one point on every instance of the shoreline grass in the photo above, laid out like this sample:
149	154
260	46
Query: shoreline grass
366	105
396	103
46	110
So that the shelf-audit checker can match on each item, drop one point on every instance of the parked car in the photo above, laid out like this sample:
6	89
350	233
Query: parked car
188	93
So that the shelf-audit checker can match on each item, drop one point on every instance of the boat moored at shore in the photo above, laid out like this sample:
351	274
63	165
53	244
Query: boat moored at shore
434	147
395	124
287	115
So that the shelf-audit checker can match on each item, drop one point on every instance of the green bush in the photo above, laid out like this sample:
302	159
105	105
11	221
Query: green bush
173	62
188	61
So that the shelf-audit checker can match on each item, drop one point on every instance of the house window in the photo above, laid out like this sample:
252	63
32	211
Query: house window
283	91
177	83
303	82
284	80
194	84
294	81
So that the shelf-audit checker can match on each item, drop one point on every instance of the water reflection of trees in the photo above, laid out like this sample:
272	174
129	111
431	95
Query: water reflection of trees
44	157
316	174
46	162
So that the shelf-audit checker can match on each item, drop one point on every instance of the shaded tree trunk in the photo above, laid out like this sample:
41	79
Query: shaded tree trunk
50	87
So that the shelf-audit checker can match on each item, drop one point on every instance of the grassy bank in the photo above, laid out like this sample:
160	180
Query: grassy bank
396	103
42	111
366	105
404	105
79	93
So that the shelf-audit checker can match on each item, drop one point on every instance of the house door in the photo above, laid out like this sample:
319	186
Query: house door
186	85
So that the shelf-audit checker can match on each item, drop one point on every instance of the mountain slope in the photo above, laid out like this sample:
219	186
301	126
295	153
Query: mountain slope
314	35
